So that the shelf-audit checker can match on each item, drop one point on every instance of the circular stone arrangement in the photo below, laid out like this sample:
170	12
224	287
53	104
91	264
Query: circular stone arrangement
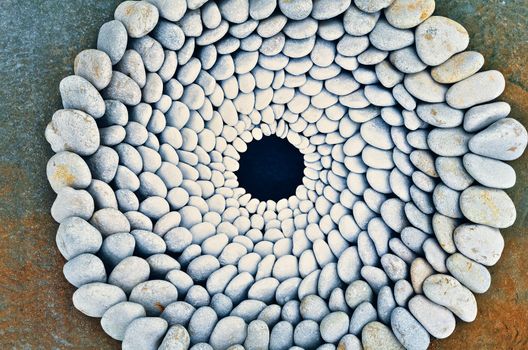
382	246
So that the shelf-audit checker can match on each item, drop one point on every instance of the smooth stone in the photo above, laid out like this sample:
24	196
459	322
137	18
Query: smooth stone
377	336
103	195
363	314
76	236
169	35
480	88
436	319
358	23
103	164
439	38
480	243
117	247
313	307
154	295
453	173
326	9
95	66
409	332
94	299
379	96
201	267
139	17
449	142
349	265
482	116
113	40
66	169
385	304
234	11
424	88
358	292
419	271
471	274
458	67
505	139
84	269
306	334
394	267
72	203
172	10
296	10
129	273
177	338
228	331
132	65
73	130
489	172
406	60
144	333
372	5
258	335
123	89
118	317
446	291
440	115
334	326
406	14
377	133
446	201
488	206
151	52
179	312
281	336
388	38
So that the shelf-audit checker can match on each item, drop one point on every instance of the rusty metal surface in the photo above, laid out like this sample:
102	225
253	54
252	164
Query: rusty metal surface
38	42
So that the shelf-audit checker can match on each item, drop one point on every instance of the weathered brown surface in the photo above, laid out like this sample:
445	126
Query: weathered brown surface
39	40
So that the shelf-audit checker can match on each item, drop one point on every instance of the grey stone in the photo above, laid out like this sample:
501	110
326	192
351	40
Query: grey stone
306	334
123	89
154	295
177	338
477	89
95	66
129	272
489	172
454	173
113	40
479	117
73	130
478	242
471	274
94	299
117	318
376	335
409	13
357	22
66	169
228	331
488	206
139	17
363	314
258	335
409	332
326	9
334	326
72	203
144	333
84	269
436	319
458	67
440	115
388	38
424	88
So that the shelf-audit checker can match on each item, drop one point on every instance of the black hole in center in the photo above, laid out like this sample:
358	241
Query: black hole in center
271	168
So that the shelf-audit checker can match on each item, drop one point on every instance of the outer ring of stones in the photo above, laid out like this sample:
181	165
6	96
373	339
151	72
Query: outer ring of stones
384	244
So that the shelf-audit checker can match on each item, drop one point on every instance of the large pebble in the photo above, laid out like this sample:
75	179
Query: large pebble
117	318
144	333
139	17
458	67
94	66
488	206
66	169
228	331
406	14
113	40
480	117
505	139
424	88
154	295
334	326
388	38
177	338
468	272
440	115
436	319
477	89
72	203
481	243
446	291
489	172
173	10
439	38
94	299
377	336
73	130
326	9
409	332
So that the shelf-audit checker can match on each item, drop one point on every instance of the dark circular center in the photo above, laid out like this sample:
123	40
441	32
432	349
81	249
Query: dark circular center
271	168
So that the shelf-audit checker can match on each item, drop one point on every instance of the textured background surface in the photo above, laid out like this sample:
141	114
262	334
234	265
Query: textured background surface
38	42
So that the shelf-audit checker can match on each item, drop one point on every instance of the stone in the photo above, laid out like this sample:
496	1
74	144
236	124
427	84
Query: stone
84	269
408	331
439	38
123	89
505	139
139	17
457	138
376	335
306	334
440	115
436	319
405	14
388	38
73	130
228	331
488	206
334	326
67	169
458	67
358	292
95	66
234	11
480	117
129	272
489	172
258	335
172	10
357	22
76	236
454	173
93	299
471	274
177	338
72	203
117	318
154	295
296	10
481	243
113	40
424	88
145	333
446	291
326	9
477	89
